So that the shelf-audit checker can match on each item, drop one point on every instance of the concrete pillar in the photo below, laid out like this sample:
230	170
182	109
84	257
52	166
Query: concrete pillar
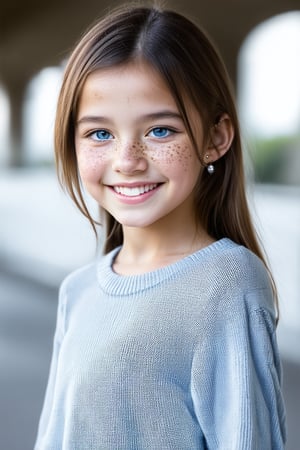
16	93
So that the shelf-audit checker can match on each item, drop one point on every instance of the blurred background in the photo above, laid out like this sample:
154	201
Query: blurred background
43	237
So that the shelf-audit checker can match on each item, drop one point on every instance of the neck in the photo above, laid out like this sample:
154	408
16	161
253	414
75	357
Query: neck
149	248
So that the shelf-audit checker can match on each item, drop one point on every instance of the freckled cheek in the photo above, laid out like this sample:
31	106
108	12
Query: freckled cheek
91	163
173	154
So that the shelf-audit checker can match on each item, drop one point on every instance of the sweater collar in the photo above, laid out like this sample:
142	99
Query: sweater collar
122	285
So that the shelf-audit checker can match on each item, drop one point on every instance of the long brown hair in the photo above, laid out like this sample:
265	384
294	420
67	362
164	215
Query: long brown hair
194	72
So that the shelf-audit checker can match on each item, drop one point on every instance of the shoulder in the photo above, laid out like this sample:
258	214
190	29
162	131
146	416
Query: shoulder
234	266
75	289
240	282
85	280
78	280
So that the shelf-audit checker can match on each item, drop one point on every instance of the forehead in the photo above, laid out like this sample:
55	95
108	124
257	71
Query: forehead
137	77
125	92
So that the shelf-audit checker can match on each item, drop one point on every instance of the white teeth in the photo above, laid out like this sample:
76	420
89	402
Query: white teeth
134	191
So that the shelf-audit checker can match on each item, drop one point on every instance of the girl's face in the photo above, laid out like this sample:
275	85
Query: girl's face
134	155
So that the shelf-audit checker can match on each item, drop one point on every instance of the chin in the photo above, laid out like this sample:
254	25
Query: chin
134	222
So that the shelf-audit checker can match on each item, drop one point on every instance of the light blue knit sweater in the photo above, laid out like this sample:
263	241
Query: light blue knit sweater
181	358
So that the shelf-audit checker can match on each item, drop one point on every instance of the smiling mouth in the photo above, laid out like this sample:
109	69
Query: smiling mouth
134	191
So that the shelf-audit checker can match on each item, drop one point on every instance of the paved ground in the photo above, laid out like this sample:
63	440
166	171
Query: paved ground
27	319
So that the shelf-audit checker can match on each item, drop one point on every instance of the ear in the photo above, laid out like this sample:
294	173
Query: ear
221	137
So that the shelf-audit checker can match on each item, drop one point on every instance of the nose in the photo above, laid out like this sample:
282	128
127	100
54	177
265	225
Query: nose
129	158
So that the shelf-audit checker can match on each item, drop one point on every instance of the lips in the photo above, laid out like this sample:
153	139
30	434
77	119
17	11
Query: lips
134	191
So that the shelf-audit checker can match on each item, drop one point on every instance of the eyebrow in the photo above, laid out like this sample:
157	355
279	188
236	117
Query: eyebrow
152	116
92	119
162	115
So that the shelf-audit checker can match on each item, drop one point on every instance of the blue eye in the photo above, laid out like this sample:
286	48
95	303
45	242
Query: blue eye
160	132
101	135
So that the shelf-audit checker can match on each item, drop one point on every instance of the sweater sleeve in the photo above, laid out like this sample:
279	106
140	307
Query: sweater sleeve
48	400
236	377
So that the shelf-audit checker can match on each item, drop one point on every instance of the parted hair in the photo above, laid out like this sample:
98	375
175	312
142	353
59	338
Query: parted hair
184	56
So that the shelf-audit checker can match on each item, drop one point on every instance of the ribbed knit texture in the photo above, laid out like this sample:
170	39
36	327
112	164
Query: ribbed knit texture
181	358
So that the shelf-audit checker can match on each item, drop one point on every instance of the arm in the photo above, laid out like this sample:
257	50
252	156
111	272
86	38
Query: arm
47	407
236	378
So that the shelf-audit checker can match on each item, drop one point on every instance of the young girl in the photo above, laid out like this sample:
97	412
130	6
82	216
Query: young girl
168	340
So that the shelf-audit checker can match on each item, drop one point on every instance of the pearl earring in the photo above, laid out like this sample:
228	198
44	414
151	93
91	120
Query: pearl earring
210	168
